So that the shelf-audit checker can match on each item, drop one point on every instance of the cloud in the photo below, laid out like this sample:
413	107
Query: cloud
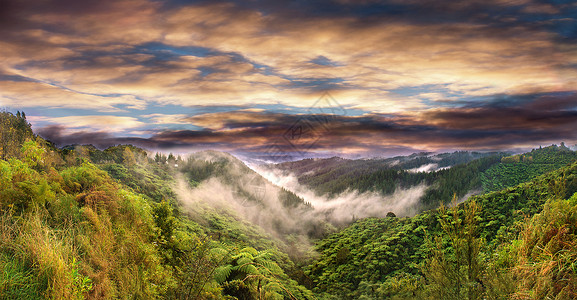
23	94
167	119
242	119
412	71
100	122
515	121
253	57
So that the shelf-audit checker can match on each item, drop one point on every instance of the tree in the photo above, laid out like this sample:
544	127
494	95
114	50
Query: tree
14	130
128	157
454	268
252	274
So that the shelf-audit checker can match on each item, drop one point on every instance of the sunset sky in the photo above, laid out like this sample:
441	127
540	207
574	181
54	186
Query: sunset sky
299	78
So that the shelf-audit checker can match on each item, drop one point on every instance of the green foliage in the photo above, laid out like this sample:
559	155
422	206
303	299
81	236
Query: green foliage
14	131
455	267
252	274
517	169
145	178
17	281
382	249
23	188
334	176
81	284
83	178
77	233
546	255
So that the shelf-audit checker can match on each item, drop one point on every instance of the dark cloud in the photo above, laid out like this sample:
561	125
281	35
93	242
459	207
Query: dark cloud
15	14
58	135
264	134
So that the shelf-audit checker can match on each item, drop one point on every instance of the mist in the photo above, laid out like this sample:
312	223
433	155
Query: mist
255	194
350	204
249	197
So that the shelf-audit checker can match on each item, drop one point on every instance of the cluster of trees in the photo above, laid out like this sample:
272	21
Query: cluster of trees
14	130
424	256
334	176
520	168
105	224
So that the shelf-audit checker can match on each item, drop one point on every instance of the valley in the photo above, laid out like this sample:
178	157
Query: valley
80	222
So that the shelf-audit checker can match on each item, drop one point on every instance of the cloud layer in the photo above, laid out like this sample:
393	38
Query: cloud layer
409	74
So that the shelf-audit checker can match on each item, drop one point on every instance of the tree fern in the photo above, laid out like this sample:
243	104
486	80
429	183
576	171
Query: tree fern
244	255
243	260
222	273
248	269
252	251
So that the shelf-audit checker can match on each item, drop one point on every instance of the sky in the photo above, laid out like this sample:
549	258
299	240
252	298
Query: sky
277	80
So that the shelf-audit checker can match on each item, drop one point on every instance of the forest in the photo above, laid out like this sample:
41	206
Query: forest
84	223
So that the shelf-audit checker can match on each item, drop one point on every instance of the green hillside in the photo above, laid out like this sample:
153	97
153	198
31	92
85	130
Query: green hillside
523	167
122	223
379	258
82	223
457	173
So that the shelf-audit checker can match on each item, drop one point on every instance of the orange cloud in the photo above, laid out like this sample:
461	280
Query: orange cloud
34	94
106	123
365	61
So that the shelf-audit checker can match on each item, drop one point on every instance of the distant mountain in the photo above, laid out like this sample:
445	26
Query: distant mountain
447	174
444	174
416	162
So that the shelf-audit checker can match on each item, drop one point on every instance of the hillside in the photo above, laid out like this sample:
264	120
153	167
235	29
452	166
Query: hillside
378	258
415	162
460	173
443	174
85	223
516	169
70	230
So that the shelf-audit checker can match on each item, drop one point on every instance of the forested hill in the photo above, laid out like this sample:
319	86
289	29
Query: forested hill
443	174
484	249
459	173
523	167
423	161
83	223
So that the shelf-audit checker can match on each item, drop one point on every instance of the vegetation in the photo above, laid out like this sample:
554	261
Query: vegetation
459	173
517	169
84	223
380	258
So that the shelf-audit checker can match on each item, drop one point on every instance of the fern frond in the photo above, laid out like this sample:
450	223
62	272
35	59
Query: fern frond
221	273
249	269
